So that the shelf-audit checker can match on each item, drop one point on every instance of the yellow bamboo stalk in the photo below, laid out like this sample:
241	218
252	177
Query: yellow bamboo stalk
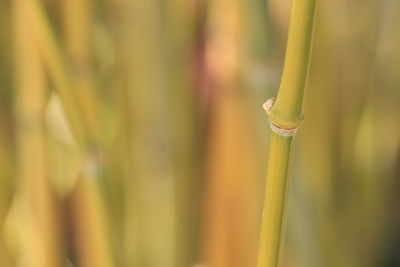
55	65
7	166
89	219
78	30
285	116
33	222
75	90
229	235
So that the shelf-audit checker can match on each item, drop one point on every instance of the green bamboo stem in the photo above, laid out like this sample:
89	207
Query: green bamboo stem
287	110
122	25
275	200
285	116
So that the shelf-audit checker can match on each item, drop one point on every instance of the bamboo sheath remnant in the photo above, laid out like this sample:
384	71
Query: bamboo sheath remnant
285	116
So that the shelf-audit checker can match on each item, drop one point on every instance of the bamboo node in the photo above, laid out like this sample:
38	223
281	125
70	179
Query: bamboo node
279	130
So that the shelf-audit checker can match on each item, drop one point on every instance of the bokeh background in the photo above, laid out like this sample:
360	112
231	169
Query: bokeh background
132	133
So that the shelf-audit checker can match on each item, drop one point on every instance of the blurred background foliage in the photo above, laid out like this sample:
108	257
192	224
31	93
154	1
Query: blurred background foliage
132	133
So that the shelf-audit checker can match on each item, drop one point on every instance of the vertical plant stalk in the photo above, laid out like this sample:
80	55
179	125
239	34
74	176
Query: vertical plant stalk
78	101
33	221
179	23
285	116
54	63
77	31
93	242
139	33
229	235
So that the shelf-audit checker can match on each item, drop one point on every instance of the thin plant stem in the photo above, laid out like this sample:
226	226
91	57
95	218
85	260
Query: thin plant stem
287	109
285	116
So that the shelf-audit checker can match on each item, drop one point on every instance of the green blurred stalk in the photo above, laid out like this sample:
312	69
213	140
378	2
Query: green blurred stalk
140	77
7	159
285	117
180	38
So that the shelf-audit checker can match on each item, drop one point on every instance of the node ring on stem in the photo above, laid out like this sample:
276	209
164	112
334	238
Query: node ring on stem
275	127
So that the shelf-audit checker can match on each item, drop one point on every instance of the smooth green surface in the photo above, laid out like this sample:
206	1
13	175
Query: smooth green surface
275	200
287	110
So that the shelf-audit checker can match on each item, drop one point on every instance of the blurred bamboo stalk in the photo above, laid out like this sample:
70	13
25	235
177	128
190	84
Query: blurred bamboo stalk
90	224
33	222
78	33
90	221
319	140
60	75
180	17
121	23
118	12
140	65
7	151
6	186
285	116
230	204
75	90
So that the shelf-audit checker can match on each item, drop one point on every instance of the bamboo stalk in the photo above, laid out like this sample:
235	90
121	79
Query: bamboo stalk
54	61
179	23
287	109
229	235
78	28
33	219
90	221
140	77
285	116
7	161
78	101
